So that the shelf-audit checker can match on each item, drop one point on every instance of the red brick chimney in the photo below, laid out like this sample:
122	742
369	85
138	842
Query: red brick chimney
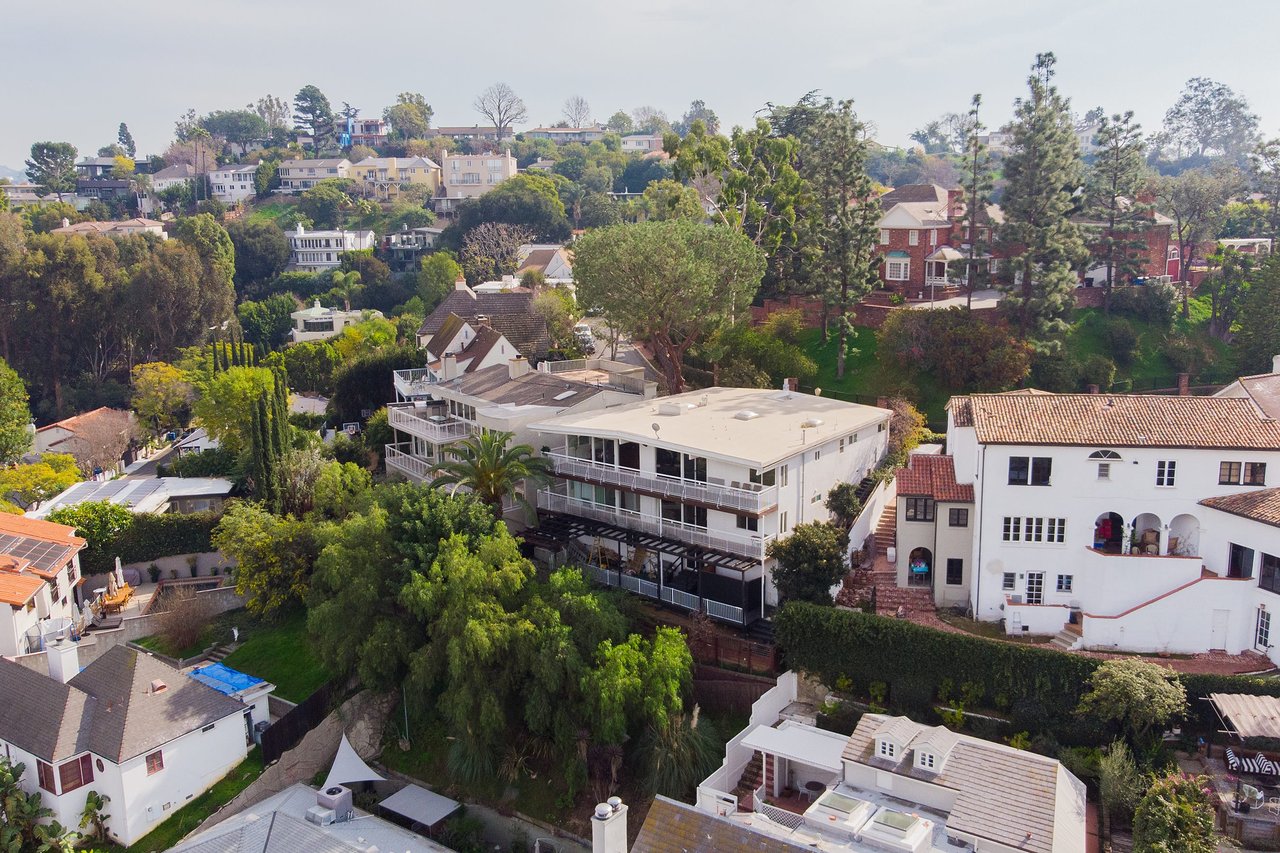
1184	384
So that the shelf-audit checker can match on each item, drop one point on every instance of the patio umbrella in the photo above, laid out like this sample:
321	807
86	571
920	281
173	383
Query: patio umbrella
119	574
111	585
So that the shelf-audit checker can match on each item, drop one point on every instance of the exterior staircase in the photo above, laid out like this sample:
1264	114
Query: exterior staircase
218	654
756	772
1067	638
886	535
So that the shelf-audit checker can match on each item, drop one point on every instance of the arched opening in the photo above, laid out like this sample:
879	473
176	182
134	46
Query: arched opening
1108	533
1146	533
1184	536
920	567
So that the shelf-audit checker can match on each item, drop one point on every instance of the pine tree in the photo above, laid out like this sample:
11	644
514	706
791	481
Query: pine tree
1258	337
125	139
977	190
1111	200
1043	174
843	229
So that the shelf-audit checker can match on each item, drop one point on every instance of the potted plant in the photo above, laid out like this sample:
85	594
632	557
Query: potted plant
194	563
154	571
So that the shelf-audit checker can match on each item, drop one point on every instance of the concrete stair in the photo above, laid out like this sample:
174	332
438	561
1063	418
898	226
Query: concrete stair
886	535
752	776
1067	638
219	654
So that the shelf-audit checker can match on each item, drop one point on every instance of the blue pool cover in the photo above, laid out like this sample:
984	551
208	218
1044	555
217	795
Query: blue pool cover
224	679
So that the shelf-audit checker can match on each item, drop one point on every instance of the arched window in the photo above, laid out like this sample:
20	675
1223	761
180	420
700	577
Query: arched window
1104	454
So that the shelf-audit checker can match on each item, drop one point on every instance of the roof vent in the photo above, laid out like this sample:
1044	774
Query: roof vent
672	409
811	423
747	415
158	686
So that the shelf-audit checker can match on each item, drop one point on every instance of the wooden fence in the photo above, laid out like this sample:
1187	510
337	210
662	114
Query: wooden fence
735	653
285	732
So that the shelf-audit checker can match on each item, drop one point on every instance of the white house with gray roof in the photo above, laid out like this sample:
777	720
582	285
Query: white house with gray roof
127	726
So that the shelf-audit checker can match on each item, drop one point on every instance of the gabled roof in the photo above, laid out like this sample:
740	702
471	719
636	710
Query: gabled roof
511	314
674	826
44	547
481	345
41	715
932	476
176	171
16	589
1122	420
444	336
1261	505
914	193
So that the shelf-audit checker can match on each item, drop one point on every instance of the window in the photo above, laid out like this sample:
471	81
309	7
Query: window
782	523
955	571
1239	561
1255	473
927	760
1104	470
766	478
1269	576
1035	587
47	780
957	517
782	476
1034	530
1019	470
1229	473
897	270
919	509
817	454
1012	528
748	522
913	237
933	236
155	762
1009	581
1041	470
884	236
74	773
1262	635
888	749
1064	582
1030	470
1165	473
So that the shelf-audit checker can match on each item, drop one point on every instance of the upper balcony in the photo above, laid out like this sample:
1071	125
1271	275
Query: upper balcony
428	423
749	498
415	382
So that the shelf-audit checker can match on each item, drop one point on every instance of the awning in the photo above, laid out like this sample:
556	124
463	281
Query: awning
799	743
1248	715
348	767
420	805
945	253
898	253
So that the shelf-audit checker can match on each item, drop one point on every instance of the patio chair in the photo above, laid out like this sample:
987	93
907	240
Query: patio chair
1273	805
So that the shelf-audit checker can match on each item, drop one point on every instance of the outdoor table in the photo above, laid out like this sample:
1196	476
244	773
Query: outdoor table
814	789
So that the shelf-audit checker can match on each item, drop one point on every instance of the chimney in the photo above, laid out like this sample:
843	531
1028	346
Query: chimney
609	827
64	659
1184	384
1093	389
1275	364
791	383
460	284
517	367
449	367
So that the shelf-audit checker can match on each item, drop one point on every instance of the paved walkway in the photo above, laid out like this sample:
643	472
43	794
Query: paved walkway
981	299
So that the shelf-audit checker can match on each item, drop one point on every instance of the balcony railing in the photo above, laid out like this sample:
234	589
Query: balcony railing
640	586
679	598
743	545
399	459
749	497
414	382
419	422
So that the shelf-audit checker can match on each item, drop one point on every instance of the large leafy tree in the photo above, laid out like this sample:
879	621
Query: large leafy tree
410	116
502	107
527	200
490	467
948	348
273	556
15	417
1227	286
267	323
1210	118
240	128
1264	169
1042	172
437	275
845	214
1258	337
52	168
25	487
1135	695
226	402
490	250
670	283
313	114
97	522
162	396
176	299
1196	200
698	111
810	561
1112	186
261	251
218	254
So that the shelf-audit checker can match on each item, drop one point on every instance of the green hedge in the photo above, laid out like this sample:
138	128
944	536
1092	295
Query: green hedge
1038	687
152	536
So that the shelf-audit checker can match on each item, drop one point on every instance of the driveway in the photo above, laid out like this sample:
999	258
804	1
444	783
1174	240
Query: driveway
981	299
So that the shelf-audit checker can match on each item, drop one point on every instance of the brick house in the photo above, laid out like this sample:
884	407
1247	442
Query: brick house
924	239
1159	255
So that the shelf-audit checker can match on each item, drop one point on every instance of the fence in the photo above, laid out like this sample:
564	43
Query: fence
285	732
735	653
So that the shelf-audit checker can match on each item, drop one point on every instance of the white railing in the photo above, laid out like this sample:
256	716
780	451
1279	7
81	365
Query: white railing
624	377
418	422
720	610
744	546
640	586
604	577
415	381
750	497
680	598
408	464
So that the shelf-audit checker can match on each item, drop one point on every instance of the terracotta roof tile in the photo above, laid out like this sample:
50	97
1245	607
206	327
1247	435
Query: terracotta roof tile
17	589
932	476
1261	505
1122	420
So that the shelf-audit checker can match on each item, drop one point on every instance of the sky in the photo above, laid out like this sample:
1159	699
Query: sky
903	62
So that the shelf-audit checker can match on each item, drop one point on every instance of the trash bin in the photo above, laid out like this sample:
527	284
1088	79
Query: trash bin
258	729
891	554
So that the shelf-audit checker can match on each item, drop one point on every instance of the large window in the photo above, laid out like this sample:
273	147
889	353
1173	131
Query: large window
1262	634
763	478
919	509
1229	473
1269	575
155	762
897	270
1255	473
1030	470
48	781
74	773
1166	473
1008	581
1239	561
1033	529
955	571
957	517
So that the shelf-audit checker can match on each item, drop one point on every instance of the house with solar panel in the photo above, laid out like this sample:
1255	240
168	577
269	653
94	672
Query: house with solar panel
127	726
39	571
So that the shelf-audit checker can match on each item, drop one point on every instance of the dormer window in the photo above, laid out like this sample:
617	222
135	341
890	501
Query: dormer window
926	760
887	749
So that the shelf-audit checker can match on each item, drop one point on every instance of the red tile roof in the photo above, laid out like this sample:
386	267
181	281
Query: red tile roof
16	590
1262	505
934	477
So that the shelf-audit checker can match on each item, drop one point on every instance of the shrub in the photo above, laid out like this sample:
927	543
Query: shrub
152	536
1120	339
1153	302
214	462
1097	370
184	619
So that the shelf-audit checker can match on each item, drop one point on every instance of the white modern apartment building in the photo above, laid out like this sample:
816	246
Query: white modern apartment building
892	785
314	251
299	175
232	184
464	176
678	498
1132	522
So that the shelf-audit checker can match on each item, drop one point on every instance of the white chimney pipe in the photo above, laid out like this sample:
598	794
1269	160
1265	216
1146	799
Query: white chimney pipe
609	827
1275	364
449	367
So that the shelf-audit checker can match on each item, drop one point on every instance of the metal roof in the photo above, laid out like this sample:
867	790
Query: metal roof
1247	715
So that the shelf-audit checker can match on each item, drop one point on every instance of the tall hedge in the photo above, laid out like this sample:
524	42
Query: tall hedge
152	536
1040	687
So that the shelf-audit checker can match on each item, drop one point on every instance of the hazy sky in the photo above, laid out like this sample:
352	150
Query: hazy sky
902	61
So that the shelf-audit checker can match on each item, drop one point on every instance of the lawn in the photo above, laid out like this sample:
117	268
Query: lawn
280	652
187	818
159	644
270	211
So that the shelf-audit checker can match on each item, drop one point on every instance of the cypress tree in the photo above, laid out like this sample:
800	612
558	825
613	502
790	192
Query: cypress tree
1043	173
279	415
1111	199
259	451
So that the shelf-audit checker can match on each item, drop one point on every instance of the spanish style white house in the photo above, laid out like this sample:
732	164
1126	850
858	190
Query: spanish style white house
232	184
1106	517
678	498
315	251
39	573
892	785
127	726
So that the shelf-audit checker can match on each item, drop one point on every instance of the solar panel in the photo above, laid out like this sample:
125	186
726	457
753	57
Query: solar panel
43	555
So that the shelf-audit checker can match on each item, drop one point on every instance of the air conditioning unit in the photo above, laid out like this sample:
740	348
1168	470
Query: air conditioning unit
1016	599
320	816
337	799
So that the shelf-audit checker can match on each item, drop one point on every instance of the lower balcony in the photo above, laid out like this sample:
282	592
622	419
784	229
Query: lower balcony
401	460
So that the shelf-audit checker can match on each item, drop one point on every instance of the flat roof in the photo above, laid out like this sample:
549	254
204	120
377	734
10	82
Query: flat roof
806	744
754	426
418	804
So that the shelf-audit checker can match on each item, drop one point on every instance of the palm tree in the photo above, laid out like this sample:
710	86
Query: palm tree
346	286
490	469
